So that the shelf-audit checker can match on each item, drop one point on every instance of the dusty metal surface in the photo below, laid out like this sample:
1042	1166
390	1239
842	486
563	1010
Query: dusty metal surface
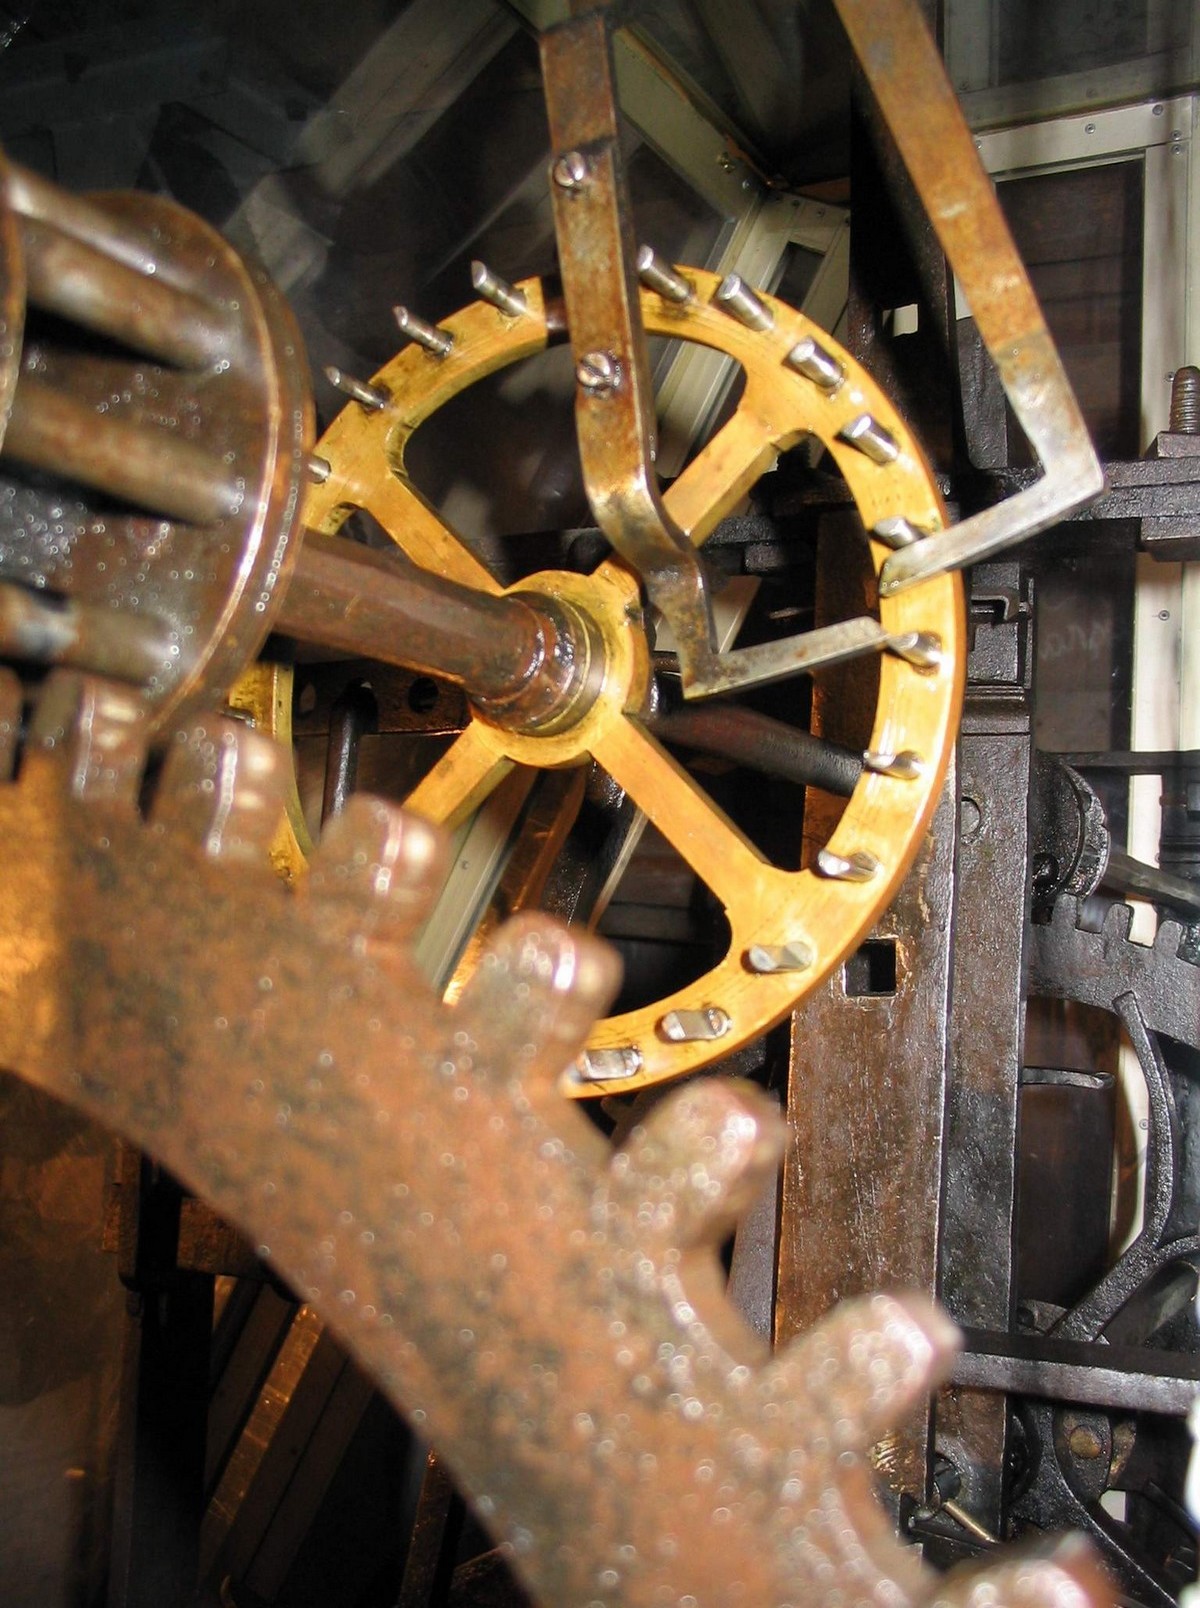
167	397
561	1337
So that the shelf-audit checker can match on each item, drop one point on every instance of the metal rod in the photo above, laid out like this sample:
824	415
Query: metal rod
132	460
382	606
1132	1378
757	741
68	277
37	629
354	713
1124	874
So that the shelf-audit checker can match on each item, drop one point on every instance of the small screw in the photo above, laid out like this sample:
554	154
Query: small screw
373	397
734	296
690	1027
809	357
856	867
871	438
897	532
571	171
598	372
921	649
767	959
602	1066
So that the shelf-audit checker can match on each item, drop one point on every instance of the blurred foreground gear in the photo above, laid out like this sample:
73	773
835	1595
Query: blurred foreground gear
547	1310
155	417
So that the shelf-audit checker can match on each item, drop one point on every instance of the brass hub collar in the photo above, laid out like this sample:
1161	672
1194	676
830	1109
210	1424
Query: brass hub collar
570	673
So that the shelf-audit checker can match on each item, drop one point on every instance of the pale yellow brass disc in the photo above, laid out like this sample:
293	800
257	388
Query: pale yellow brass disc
772	913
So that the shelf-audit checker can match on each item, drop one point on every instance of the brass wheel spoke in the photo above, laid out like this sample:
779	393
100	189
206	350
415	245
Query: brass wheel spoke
420	532
721	474
467	772
723	859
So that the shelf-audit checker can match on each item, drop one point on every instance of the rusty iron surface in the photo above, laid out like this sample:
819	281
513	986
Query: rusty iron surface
547	1311
176	441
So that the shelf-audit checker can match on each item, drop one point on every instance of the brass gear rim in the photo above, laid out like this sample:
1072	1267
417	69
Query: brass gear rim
821	917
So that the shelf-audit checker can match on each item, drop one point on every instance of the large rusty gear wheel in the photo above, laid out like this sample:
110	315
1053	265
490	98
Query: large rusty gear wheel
789	928
549	1311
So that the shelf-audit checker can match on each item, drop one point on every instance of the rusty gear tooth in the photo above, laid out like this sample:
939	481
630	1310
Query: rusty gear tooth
225	787
92	733
1065	1573
1168	937
1118	920
699	1160
541	986
867	1365
376	871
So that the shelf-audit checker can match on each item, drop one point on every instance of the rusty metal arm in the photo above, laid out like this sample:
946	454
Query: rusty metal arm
908	79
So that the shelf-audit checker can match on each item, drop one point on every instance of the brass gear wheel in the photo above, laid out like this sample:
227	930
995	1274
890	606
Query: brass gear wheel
789	928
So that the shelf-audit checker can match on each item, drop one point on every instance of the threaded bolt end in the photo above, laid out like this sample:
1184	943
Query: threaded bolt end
1185	401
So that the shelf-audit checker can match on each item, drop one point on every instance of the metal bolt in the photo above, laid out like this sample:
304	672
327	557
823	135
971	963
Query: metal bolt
896	532
856	867
319	469
658	274
735	297
871	438
905	766
811	359
427	335
367	396
598	372
692	1027
571	171
790	957
1185	400
606	1066
921	649
498	291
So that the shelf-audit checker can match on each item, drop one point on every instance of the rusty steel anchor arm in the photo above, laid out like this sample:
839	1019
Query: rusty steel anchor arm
548	1312
908	79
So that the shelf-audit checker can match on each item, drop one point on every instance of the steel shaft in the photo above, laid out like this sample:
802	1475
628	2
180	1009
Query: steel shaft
381	606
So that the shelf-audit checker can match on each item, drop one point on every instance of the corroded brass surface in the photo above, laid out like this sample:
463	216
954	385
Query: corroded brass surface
547	1311
767	908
